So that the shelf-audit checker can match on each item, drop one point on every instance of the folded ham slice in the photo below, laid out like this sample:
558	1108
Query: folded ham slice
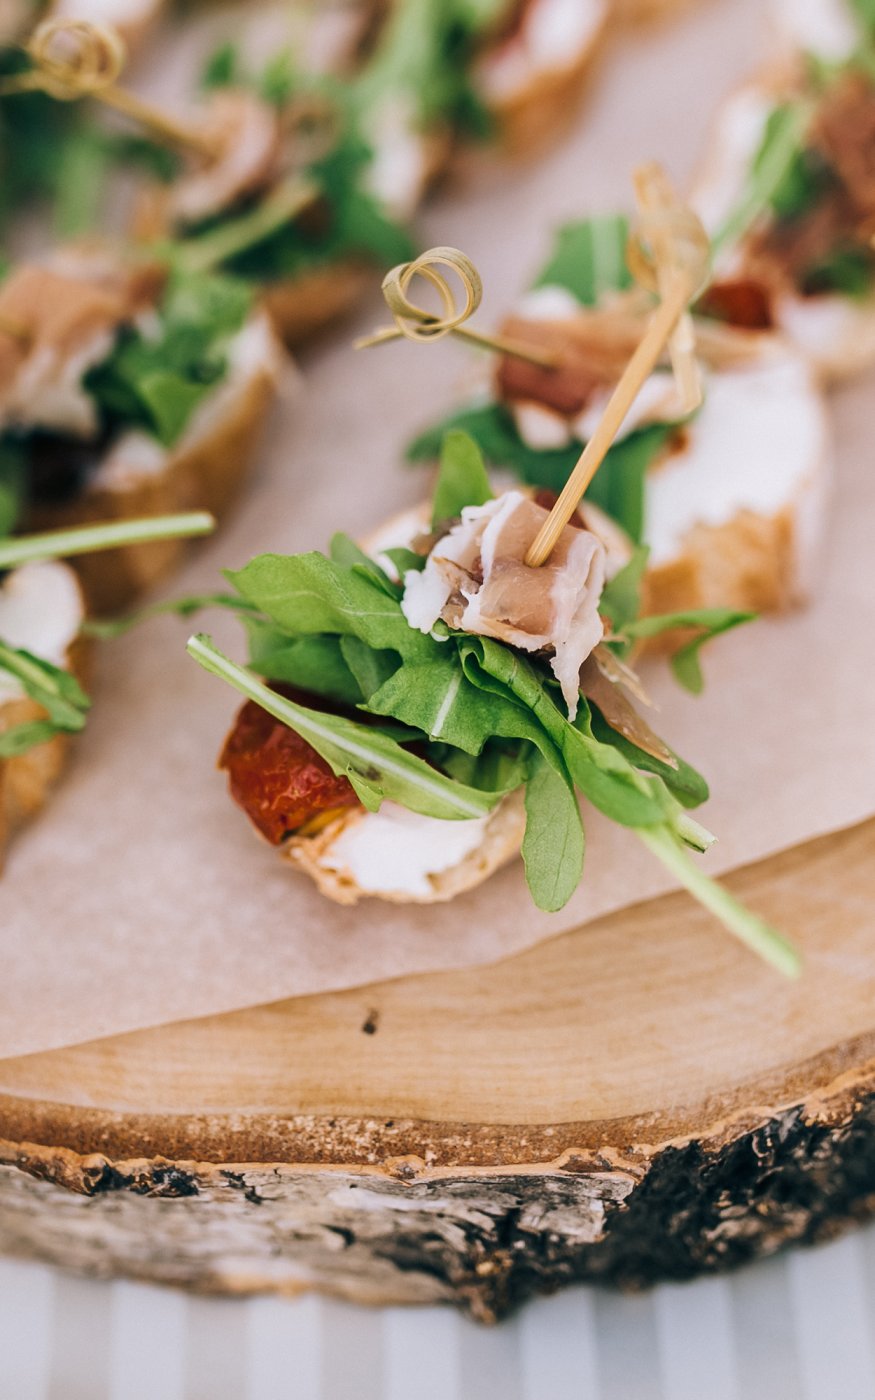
246	134
56	323
476	580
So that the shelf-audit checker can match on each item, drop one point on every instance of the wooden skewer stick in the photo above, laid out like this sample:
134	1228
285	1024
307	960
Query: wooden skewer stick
674	235
414	323
75	59
641	365
685	269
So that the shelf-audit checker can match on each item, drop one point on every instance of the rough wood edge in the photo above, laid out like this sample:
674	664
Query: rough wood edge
305	1141
484	1238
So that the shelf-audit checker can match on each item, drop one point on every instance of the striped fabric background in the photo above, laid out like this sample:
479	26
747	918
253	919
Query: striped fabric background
799	1327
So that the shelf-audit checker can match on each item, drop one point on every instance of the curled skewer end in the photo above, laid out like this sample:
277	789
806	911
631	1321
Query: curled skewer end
413	322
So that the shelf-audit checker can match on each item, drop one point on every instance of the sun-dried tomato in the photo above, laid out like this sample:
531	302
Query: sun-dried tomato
279	780
741	303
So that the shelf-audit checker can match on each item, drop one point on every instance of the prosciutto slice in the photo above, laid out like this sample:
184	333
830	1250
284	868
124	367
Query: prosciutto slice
247	136
476	580
56	322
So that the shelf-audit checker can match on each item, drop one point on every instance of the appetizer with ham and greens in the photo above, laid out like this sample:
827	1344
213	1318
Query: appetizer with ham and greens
41	615
126	390
312	178
44	652
421	712
788	188
729	500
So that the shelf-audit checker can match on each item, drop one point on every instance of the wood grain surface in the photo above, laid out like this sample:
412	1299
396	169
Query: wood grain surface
637	1099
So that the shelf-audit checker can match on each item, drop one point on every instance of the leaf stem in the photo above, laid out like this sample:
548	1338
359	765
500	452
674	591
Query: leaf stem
753	931
319	731
764	183
210	250
83	539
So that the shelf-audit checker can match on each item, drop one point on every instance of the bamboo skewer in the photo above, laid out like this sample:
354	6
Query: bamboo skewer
668	227
640	366
678	262
414	323
74	59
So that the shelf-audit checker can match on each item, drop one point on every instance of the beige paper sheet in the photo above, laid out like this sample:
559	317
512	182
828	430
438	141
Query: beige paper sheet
142	896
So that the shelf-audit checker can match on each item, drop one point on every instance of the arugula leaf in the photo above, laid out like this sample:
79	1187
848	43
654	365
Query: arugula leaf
212	304
497	768
589	258
618	487
13	478
35	131
462	479
438	698
425	54
128	149
489	716
314	664
279	79
405	560
222	68
554	843
28	735
371	669
81	183
229	240
865	13
709	622
759	936
493	429
105	629
307	594
599	770
56	690
157	383
806	179
683	782
621	596
344	551
772	169
376	765
849	271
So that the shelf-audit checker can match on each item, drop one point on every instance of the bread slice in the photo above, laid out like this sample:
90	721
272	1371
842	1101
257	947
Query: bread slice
735	515
204	471
330	857
41	609
533	83
301	307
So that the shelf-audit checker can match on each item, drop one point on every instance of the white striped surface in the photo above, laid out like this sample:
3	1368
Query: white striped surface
799	1327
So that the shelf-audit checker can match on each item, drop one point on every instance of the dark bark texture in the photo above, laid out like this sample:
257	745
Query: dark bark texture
483	1238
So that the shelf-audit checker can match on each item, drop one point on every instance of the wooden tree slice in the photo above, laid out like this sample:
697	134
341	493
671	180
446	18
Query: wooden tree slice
637	1100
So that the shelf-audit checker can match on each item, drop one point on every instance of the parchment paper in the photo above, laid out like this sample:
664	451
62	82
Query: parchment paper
142	896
